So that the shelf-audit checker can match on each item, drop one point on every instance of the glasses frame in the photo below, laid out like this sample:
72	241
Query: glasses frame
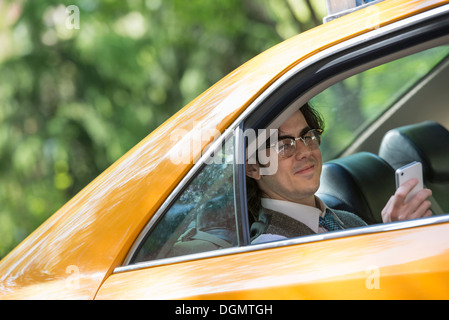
317	135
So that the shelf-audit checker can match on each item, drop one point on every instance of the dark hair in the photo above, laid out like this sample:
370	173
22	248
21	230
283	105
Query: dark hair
313	117
254	194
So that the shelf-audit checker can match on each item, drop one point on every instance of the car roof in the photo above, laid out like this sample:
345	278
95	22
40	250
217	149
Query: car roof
91	235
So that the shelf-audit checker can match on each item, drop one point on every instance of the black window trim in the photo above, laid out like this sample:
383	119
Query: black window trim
393	41
240	187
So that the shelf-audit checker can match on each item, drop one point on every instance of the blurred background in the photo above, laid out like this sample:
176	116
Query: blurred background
82	82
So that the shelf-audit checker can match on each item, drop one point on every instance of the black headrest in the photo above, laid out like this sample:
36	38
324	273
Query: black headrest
426	142
360	183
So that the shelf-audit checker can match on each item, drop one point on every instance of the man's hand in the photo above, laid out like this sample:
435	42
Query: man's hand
416	207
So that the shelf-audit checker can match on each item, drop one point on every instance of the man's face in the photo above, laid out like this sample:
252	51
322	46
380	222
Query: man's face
298	177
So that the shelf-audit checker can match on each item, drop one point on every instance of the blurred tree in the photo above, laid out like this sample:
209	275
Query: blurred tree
80	88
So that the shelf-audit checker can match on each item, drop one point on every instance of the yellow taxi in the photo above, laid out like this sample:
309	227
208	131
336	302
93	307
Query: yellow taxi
169	220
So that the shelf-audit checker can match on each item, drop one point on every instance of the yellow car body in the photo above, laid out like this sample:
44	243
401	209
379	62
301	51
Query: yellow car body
80	252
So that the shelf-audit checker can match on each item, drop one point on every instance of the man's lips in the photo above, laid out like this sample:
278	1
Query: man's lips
305	170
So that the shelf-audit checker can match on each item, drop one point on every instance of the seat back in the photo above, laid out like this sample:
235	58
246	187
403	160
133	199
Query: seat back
218	219
215	228
428	143
361	183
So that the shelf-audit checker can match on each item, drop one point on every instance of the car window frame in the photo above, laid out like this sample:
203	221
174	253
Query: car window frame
316	73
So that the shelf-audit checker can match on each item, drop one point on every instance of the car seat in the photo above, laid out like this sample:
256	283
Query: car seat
215	228
428	143
361	183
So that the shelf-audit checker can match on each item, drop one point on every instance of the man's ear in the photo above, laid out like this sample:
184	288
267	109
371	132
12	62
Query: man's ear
252	171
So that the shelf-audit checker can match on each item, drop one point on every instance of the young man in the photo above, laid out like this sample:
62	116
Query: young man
284	204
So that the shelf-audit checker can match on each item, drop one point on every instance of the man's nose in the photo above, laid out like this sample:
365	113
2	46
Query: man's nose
302	151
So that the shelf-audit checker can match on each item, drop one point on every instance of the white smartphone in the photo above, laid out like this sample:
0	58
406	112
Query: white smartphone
407	172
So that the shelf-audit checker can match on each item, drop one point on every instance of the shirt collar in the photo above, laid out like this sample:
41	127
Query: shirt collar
302	213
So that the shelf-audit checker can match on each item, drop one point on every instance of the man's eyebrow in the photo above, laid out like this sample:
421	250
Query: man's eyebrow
303	132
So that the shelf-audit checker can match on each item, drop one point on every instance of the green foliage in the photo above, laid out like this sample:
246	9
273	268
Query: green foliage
73	100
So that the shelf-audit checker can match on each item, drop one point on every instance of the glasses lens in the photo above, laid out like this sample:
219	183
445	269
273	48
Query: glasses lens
286	147
312	139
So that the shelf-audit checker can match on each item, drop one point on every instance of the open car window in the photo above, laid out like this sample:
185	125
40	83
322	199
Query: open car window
350	106
359	111
203	216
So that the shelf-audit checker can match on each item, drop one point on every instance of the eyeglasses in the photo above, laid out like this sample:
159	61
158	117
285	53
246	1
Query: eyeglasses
286	147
